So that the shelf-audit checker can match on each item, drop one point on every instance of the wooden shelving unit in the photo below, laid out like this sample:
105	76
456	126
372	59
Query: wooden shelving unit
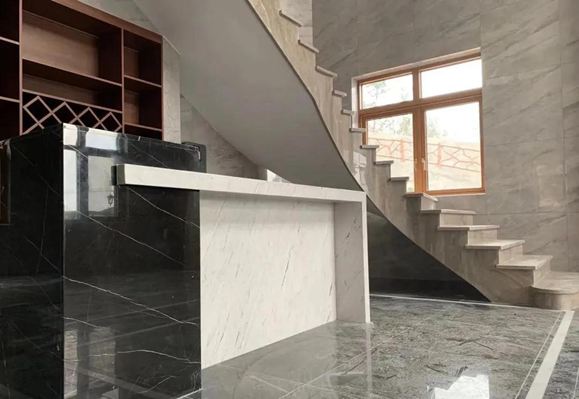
66	62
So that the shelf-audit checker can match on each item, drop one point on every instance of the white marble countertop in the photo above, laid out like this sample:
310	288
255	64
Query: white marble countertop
137	175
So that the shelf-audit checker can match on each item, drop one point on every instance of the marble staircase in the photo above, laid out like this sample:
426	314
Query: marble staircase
497	267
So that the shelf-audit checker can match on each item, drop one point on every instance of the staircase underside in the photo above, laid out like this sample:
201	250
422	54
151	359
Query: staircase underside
245	69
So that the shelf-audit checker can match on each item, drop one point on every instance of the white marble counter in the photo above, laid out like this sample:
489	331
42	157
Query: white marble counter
277	259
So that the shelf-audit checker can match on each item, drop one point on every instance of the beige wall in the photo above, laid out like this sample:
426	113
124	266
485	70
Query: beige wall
530	52
181	122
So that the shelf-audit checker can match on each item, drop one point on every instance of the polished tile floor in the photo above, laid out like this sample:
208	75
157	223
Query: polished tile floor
416	349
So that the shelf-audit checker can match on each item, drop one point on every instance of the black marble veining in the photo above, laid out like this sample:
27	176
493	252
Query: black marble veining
100	283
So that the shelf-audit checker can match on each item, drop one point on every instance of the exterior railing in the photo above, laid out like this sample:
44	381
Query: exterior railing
441	155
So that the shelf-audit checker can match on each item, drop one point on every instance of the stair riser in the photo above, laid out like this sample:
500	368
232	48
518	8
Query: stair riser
507	254
540	274
452	219
417	204
482	235
556	301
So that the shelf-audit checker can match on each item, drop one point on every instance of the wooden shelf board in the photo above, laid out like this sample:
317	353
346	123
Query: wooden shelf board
10	100
34	93
9	41
137	126
136	84
49	72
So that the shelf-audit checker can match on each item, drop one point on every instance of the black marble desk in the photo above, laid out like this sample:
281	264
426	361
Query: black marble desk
99	284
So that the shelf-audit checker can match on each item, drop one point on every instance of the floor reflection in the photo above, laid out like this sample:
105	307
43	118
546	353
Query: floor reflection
415	349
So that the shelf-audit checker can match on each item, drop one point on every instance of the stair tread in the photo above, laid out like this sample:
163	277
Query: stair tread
472	227
369	147
449	211
347	112
388	162
339	93
495	244
419	195
326	72
290	18
308	46
527	262
357	130
400	178
559	282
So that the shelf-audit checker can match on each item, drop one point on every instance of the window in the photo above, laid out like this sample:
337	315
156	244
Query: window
428	120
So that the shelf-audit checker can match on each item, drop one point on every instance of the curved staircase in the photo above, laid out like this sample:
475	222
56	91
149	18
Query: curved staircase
302	113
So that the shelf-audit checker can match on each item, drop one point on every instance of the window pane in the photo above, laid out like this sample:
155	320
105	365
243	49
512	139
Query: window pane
453	147
394	136
385	92
451	79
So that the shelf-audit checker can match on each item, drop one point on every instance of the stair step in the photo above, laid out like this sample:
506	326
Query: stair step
383	163
347	112
339	93
472	227
291	19
415	195
525	262
559	283
369	147
496	244
449	211
326	72
308	46
400	178
357	130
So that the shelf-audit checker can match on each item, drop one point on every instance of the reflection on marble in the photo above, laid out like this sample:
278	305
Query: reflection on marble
415	349
563	383
96	275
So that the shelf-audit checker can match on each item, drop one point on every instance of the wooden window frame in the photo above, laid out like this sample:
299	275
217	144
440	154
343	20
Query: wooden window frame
417	107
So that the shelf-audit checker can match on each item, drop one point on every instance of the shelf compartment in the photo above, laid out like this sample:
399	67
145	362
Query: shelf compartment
42	111
144	108
90	49
10	120
55	81
142	58
10	20
9	70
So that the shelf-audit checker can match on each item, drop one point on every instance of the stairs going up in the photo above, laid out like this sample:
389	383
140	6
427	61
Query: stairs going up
261	87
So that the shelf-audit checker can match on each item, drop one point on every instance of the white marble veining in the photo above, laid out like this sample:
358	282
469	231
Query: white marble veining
267	272
276	258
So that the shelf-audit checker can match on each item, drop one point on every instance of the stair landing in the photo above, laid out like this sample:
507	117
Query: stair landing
558	290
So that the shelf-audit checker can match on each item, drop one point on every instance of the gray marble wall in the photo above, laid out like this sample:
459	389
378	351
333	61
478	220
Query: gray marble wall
530	52
222	157
181	122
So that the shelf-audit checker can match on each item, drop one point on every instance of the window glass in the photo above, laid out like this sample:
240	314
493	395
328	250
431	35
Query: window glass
451	79
453	147
394	136
386	92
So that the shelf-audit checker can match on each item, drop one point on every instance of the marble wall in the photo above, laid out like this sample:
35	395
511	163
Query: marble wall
530	52
222	157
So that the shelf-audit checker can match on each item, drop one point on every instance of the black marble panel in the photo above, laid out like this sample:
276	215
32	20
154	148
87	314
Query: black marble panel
109	274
